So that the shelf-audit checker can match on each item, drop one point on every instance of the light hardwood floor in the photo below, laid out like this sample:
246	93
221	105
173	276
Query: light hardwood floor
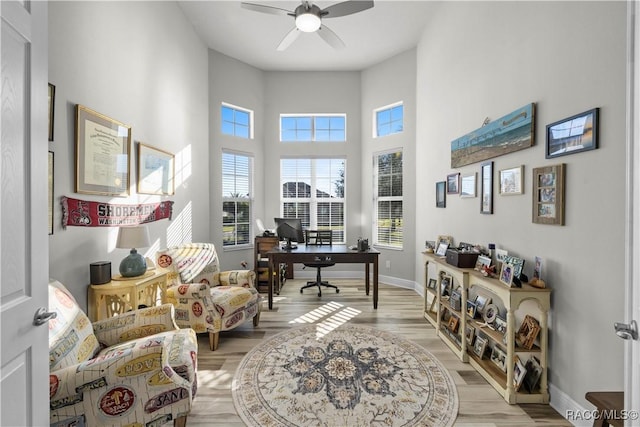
399	311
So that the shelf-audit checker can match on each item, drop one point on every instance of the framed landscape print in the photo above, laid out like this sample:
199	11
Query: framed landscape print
486	188
103	148
453	182
468	185
548	194
511	181
155	171
572	135
441	194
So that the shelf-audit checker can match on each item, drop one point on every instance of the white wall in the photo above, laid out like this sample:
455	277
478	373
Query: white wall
386	83
479	59
142	64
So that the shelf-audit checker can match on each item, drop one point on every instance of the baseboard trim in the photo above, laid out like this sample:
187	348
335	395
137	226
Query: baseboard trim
565	405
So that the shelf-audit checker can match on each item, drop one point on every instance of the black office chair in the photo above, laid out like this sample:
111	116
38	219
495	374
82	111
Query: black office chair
319	238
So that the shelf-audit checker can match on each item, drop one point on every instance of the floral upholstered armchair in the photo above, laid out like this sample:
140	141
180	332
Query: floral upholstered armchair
134	369
207	299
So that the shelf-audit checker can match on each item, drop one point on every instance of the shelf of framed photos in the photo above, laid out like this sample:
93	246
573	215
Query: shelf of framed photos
511	304
451	328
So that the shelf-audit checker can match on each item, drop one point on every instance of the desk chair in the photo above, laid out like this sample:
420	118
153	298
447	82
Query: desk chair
319	238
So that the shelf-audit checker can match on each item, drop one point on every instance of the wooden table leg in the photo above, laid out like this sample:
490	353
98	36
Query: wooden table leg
366	278
375	283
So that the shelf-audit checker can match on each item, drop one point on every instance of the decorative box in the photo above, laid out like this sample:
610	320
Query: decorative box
461	259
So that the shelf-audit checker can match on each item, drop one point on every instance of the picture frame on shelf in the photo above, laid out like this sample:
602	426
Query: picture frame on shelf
455	300
533	374
517	263
444	239
481	302
156	171
441	194
500	324
528	332
499	358
468	185
471	309
486	188
452	325
446	282
506	274
519	372
103	153
490	313
537	268
453	183
573	135
480	346
470	334
432	284
511	181
482	261
548	194
442	249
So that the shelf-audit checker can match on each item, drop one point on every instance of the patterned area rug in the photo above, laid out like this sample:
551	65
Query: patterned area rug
350	376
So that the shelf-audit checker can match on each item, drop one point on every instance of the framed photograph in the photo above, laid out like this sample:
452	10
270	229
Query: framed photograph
499	357
519	371
445	284
453	324
453	183
511	181
441	194
444	239
155	171
468	185
490	313
572	135
470	334
471	309
506	274
455	300
528	332
50	193
103	148
537	269
482	261
500	324
52	106
442	249
481	302
433	284
480	347
548	194
533	374
517	263
486	188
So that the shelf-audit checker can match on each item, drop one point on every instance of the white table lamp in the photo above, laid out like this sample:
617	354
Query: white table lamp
131	238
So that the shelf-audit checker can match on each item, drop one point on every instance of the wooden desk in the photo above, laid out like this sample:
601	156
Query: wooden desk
126	294
340	254
609	404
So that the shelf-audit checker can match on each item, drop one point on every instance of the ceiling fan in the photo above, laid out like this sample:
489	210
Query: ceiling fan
309	17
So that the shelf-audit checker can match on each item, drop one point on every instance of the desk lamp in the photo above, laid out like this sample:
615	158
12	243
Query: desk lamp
133	237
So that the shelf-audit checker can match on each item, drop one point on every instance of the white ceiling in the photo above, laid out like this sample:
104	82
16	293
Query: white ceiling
370	36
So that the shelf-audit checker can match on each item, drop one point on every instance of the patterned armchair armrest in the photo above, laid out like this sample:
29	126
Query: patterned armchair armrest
135	324
152	378
243	278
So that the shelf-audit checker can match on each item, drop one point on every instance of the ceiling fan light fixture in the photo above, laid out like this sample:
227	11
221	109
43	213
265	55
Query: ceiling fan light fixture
308	22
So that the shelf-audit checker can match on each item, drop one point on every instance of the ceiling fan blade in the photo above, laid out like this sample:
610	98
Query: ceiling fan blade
288	39
330	37
346	8
266	9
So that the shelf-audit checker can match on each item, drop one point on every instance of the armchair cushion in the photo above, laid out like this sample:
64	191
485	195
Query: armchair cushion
190	263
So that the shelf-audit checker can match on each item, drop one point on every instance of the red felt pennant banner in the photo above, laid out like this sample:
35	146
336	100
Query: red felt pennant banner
98	214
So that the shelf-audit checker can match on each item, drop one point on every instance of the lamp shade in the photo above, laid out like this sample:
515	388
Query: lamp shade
133	237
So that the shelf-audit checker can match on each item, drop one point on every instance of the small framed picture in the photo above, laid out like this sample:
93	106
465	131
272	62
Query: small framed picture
548	194
481	302
533	374
442	249
500	324
453	324
572	135
499	357
433	284
528	332
471	309
468	185
486	188
445	284
511	181
480	346
444	239
455	300
506	274
483	261
490	313
519	372
453	182
517	263
441	194
470	334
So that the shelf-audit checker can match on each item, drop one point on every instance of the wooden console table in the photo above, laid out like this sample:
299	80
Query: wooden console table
124	294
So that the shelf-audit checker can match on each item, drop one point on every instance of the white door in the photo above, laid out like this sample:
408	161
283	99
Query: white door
24	255
632	310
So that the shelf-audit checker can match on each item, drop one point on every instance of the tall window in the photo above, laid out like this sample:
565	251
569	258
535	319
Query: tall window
389	119
319	128
237	121
314	191
388	229
237	182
